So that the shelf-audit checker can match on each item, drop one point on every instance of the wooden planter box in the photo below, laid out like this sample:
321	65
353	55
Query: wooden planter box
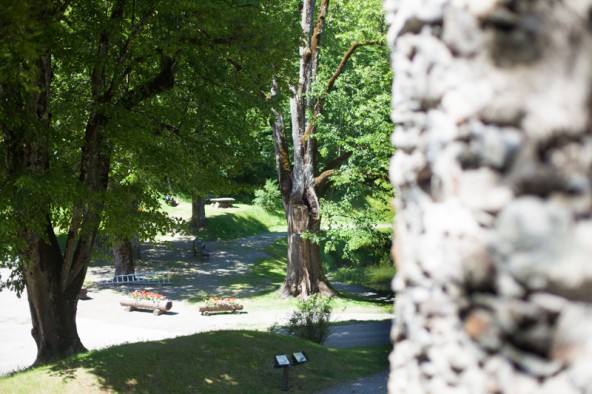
157	307
207	310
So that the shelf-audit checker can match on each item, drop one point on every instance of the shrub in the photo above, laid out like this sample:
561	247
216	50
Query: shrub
269	198
311	319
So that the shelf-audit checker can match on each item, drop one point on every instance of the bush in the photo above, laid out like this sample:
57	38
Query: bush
311	319
269	198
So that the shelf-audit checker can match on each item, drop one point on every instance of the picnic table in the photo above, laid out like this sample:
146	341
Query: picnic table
224	202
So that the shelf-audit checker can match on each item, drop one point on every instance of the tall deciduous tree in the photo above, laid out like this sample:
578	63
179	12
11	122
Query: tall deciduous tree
89	99
304	179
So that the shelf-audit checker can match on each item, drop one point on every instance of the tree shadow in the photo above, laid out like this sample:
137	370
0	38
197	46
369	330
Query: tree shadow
228	272
212	362
228	226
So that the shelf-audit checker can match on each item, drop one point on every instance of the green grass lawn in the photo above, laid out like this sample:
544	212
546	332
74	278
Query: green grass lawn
241	220
213	362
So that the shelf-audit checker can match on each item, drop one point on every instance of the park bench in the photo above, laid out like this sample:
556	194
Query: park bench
199	250
153	278
225	202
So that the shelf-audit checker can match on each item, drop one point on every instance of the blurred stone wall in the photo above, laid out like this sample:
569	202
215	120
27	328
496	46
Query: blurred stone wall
493	240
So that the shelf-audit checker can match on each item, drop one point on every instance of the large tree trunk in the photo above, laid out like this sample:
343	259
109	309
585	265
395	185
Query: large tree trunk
304	273
493	173
53	280
198	212
124	256
53	311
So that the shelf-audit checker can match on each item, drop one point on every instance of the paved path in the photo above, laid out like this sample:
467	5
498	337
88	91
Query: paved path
375	384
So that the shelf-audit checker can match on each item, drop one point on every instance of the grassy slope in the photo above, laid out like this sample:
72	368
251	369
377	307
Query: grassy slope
241	220
213	362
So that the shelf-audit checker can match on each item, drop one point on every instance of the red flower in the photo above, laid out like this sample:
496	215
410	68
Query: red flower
147	295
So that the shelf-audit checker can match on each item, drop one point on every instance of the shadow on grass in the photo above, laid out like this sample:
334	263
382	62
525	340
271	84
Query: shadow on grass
357	293
228	226
231	271
214	362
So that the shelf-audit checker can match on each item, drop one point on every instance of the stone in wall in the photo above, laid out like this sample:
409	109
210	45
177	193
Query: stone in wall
493	179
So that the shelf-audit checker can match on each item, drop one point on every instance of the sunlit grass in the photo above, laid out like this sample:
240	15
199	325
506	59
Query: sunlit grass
213	362
241	220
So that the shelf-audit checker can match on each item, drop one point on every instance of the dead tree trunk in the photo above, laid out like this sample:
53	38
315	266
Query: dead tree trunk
494	196
297	182
302	183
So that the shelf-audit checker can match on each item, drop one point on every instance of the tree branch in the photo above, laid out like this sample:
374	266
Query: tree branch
320	104
280	145
98	73
125	49
163	81
315	42
322	180
331	84
333	164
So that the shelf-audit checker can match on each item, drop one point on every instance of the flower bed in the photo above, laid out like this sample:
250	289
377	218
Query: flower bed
216	304
155	302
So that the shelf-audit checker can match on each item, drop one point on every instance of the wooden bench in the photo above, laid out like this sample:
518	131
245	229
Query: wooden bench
225	202
199	250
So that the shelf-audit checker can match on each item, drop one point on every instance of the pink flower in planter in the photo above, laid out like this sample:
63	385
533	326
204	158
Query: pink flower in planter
147	296
216	301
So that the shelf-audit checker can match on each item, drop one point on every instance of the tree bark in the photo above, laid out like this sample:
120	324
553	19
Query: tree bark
305	274
136	248
198	212
493	196
53	311
124	257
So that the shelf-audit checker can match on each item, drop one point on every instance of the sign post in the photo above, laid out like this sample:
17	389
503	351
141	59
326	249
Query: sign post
282	361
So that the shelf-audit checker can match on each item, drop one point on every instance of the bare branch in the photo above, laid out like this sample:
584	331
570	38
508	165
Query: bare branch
320	104
315	43
339	70
163	81
322	180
